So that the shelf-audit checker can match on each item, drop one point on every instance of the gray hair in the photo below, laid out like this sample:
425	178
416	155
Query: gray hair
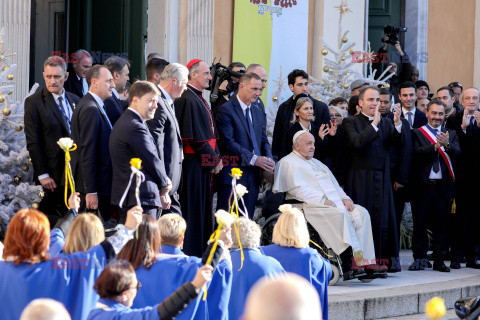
252	67
45	309
249	233
175	71
56	61
342	112
463	94
81	54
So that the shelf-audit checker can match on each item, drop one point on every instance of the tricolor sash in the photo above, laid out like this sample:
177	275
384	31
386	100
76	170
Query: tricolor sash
433	139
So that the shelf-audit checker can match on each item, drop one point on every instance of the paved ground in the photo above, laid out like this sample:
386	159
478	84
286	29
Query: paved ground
402	279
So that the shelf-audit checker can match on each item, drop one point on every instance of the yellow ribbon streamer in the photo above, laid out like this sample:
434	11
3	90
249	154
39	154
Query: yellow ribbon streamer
318	246
68	173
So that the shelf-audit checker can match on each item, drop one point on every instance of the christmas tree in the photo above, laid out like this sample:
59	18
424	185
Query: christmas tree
339	70
16	188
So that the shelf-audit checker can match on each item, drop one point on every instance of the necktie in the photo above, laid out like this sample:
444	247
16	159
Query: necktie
410	120
67	115
472	119
102	110
436	161
84	86
252	132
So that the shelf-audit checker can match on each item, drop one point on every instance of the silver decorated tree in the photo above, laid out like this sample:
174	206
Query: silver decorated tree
16	188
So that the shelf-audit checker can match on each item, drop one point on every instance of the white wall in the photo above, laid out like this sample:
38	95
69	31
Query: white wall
354	21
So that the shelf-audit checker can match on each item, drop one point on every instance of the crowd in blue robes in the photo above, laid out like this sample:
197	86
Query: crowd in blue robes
171	270
57	241
68	279
307	263
112	310
255	266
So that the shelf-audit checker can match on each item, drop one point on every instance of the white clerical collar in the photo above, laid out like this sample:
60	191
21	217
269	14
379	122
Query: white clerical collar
299	155
78	77
191	85
242	104
404	111
167	96
56	96
369	118
114	91
97	98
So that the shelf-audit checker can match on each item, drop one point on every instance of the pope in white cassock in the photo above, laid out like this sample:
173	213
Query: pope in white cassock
339	222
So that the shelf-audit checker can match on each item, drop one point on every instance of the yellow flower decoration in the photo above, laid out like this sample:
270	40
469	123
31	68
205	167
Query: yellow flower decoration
136	163
435	308
236	173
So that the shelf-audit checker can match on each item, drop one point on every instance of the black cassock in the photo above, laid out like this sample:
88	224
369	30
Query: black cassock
368	180
199	139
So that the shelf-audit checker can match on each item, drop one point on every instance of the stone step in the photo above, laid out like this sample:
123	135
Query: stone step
450	315
399	301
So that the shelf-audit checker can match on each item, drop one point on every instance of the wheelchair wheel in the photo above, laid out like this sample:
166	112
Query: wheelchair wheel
335	275
267	230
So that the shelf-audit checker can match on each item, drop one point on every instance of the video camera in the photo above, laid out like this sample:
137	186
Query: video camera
392	33
221	73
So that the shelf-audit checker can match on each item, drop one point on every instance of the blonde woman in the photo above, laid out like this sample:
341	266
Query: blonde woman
291	248
304	120
75	233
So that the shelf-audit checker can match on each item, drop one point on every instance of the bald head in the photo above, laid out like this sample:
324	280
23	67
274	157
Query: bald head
259	71
45	309
288	298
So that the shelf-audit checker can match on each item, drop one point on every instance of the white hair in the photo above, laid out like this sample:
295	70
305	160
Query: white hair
175	71
287	298
45	309
249	233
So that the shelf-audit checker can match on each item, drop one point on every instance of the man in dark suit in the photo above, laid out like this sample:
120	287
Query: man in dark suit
243	142
119	68
47	118
434	150
407	95
91	165
131	138
298	83
368	182
466	124
400	157
76	82
164	126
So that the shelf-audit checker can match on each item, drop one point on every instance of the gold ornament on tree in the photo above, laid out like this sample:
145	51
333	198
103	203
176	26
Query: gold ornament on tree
30	160
10	76
343	58
18	127
35	205
275	99
324	51
6	111
17	180
345	86
2	98
326	69
344	39
387	86
41	194
351	51
25	167
5	68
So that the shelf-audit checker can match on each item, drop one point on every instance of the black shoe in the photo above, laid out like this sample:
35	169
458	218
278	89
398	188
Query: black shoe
417	265
429	264
440	266
474	264
392	270
455	264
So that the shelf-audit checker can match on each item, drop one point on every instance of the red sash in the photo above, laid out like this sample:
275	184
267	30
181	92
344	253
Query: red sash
431	137
187	148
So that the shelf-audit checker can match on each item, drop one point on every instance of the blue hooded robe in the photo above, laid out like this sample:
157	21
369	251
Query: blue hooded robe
307	263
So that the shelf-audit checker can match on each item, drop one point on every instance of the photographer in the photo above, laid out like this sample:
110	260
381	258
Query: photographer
399	57
226	86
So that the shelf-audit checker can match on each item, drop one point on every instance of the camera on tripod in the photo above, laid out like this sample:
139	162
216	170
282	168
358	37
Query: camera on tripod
392	33
220	73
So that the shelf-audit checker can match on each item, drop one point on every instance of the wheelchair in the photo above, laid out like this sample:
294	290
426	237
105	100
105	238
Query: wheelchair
323	250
